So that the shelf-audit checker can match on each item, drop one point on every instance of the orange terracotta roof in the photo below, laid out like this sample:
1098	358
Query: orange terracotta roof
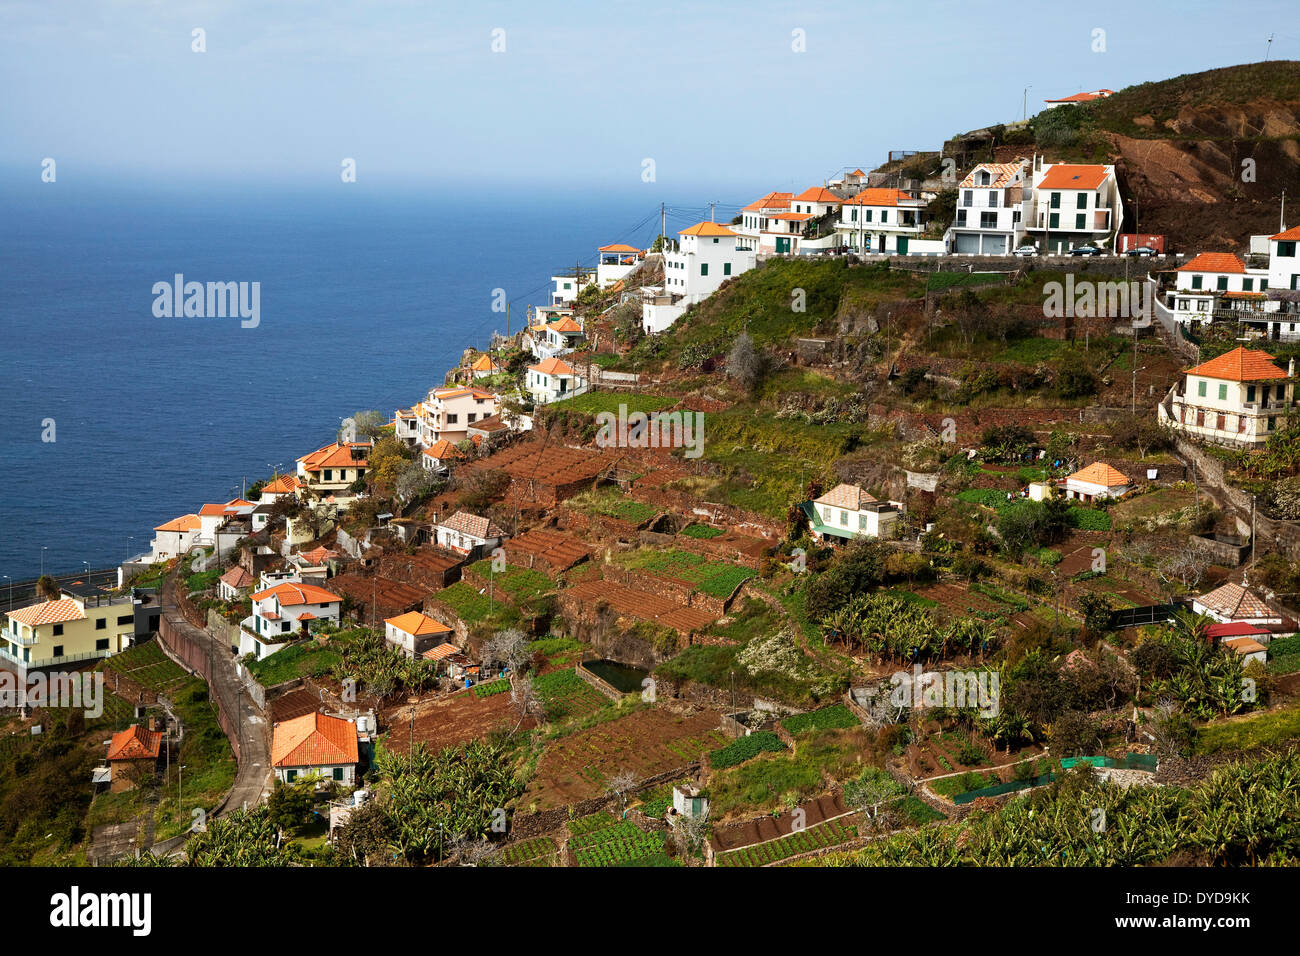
857	172
318	555
1214	262
314	740
442	394
1244	645
1100	473
1082	97
417	624
850	497
188	522
773	200
1002	173
1290	234
879	197
237	577
442	449
135	743
706	229
1073	176
485	364
439	652
335	455
294	593
1240	365
566	324
553	366
282	485
1234	601
619	247
793	216
48	612
818	194
474	525
213	510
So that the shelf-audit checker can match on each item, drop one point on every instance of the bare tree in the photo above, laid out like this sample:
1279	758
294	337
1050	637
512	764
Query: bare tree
690	832
1186	568
525	701
869	792
511	648
620	785
746	364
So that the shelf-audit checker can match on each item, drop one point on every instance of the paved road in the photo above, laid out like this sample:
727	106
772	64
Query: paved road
253	778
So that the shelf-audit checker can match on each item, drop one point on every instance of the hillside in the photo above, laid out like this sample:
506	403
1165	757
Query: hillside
1179	145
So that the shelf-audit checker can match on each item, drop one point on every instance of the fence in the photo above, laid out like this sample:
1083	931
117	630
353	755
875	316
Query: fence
1141	616
197	655
1174	335
999	789
1129	762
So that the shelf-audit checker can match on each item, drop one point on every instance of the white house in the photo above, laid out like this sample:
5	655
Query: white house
552	380
846	511
234	584
1232	604
315	744
174	538
567	287
283	610
1098	480
484	367
1215	283
881	220
1240	399
615	262
1072	204
332	469
280	486
439	456
754	218
464	533
987	220
447	413
705	256
1284	283
413	633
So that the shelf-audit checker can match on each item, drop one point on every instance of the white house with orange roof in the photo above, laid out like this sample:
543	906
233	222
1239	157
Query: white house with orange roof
235	583
413	633
213	516
439	456
447	412
466	533
282	612
755	218
616	261
1086	97
704	256
987	219
484	366
567	287
1284	284
174	538
553	379
280	486
1232	603
1218	284
315	745
1071	204
1098	480
881	220
1239	399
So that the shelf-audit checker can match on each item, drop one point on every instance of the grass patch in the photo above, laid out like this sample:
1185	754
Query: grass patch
1249	733
745	748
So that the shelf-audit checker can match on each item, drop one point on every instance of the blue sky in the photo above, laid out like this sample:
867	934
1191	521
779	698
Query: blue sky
712	91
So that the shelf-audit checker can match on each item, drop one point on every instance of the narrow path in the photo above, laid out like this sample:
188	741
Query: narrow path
253	777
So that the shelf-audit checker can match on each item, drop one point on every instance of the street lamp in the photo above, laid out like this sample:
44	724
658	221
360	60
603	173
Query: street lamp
1135	382
44	548
11	590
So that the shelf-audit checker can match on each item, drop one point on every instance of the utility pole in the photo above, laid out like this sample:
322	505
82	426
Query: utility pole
663	228
1024	104
507	318
1268	47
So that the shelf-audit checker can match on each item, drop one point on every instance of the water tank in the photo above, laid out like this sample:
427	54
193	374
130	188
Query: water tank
360	797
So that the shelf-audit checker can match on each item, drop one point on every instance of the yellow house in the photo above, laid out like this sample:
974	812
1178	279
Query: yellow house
67	630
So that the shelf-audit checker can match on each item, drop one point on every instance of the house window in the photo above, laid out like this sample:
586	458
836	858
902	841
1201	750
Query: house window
329	474
993	198
1247	285
58	630
1056	201
1015	217
58	650
338	773
961	217
1250	393
866	215
988	220
1222	284
726	268
862	522
1200	389
125	619
1286	250
284	626
291	775
844	518
1272	422
1079	220
884	215
704	268
1196	282
1081	201
101	624
1223	392
101	644
1054	221
451	419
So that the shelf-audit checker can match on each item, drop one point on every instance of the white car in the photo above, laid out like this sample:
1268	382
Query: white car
1027	250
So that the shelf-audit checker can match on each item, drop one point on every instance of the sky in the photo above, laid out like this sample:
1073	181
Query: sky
738	98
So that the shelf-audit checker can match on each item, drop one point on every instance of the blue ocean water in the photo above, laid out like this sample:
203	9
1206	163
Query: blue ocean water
366	300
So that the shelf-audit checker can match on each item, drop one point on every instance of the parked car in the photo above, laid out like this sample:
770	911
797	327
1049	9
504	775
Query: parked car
1028	249
1085	251
1142	251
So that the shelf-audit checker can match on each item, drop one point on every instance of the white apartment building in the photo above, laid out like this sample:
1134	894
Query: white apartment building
447	412
881	220
1070	205
988	216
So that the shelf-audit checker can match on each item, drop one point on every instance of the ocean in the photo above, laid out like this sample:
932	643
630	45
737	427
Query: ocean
366	299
